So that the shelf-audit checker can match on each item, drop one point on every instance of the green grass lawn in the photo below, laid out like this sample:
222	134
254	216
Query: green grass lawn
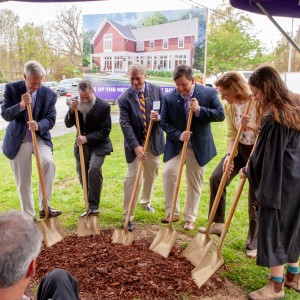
68	197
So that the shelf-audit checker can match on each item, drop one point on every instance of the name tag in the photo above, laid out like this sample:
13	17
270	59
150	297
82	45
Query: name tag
156	105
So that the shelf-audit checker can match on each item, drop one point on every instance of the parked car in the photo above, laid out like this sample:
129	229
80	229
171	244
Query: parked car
53	85
71	96
67	85
2	88
210	81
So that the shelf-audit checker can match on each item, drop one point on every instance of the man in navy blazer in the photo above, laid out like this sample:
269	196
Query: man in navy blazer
17	144
207	108
132	124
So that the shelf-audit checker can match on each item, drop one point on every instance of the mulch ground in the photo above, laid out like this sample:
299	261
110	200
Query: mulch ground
115	271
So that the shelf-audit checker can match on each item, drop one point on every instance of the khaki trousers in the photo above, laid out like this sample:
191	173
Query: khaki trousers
147	180
22	168
194	179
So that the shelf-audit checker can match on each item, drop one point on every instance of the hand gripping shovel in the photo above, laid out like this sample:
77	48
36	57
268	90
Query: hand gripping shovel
201	243
214	260
50	227
166	237
123	236
87	225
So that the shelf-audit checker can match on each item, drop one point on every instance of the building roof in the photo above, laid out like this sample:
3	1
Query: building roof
156	32
167	30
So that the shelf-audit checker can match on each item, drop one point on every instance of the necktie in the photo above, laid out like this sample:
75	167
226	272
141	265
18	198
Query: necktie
143	110
28	131
186	105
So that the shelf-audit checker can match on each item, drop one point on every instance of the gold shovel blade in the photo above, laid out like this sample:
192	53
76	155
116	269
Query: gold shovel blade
120	236
209	265
198	248
88	225
164	241
51	231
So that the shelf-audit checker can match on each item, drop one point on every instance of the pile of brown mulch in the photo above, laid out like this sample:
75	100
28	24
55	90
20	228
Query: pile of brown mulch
114	271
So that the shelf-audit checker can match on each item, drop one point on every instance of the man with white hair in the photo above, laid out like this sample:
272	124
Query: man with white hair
20	241
17	143
95	127
140	103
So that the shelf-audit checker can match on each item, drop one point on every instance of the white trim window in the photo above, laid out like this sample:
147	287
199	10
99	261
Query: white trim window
140	46
151	45
181	42
165	43
107	43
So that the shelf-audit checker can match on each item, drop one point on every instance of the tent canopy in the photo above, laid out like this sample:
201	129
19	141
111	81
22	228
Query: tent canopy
279	8
270	8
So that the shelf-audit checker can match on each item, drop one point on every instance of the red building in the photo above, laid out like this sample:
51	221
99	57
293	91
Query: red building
157	47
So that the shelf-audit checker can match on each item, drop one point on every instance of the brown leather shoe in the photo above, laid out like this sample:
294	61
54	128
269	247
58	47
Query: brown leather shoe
292	281
273	290
216	228
167	219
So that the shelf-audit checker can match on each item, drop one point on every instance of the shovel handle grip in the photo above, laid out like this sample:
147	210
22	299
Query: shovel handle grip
226	173
38	163
82	163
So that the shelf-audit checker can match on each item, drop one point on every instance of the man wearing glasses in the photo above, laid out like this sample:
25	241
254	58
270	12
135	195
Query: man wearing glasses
17	144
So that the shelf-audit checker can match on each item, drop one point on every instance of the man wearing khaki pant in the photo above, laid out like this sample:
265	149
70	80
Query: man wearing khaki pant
138	104
206	107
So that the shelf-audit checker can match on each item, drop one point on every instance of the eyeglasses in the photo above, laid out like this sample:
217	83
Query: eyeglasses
225	95
39	83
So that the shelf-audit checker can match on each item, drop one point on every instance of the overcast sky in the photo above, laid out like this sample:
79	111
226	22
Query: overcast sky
41	12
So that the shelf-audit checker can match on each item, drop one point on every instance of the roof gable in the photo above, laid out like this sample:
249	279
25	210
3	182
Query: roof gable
156	32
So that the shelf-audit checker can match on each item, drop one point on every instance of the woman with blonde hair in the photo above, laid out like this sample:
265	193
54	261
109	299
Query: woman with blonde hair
234	89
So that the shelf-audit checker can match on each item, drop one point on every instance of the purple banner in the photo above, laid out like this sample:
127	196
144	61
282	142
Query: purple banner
113	92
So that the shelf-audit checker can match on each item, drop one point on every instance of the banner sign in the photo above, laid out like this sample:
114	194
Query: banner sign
113	92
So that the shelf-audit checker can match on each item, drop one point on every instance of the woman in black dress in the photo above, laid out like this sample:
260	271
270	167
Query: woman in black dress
274	176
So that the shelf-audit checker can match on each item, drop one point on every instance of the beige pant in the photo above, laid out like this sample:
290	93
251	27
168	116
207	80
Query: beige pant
22	168
194	179
148	176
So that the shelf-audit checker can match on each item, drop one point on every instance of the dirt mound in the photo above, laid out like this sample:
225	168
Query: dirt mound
114	271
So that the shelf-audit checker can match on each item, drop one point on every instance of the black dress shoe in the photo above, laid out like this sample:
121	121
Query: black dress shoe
130	226
52	213
91	212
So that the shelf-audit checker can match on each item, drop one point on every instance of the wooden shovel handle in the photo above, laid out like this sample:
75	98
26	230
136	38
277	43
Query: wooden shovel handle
234	203
82	163
226	173
38	163
181	164
138	176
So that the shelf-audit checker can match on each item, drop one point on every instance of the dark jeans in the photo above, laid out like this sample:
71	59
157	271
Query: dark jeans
239	161
58	285
93	170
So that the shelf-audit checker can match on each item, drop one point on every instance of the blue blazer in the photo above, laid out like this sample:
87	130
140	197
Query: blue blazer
131	121
174	122
44	113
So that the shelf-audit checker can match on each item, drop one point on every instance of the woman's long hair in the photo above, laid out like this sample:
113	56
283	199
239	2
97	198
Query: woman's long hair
282	104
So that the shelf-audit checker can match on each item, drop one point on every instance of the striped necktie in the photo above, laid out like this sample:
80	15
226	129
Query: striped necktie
143	110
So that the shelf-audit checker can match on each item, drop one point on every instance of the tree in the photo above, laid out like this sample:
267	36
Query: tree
87	46
282	53
8	40
156	19
66	35
232	45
